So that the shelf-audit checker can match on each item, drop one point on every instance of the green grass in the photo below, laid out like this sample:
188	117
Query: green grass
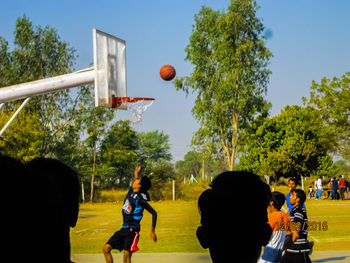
176	226
178	220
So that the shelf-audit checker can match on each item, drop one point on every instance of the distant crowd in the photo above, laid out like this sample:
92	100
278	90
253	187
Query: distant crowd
336	189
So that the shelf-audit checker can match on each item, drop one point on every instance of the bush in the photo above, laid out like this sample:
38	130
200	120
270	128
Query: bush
159	191
112	195
190	191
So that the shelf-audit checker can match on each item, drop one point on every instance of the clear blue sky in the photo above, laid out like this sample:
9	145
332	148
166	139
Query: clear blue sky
310	40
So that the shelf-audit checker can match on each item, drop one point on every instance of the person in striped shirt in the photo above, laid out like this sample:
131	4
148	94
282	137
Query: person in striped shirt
298	251
279	222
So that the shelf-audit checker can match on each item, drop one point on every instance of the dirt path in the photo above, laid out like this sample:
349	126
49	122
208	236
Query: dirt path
317	257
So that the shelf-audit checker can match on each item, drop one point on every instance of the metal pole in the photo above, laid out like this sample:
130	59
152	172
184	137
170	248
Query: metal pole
43	86
14	116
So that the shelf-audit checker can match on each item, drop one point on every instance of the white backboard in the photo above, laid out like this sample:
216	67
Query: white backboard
110	68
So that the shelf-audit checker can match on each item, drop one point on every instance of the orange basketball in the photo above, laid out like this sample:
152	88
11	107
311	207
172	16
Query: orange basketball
167	72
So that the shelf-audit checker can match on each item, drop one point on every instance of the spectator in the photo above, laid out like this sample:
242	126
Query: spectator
292	184
15	215
347	187
319	187
329	185
225	209
54	190
40	205
316	189
300	248
342	185
279	222
311	192
334	189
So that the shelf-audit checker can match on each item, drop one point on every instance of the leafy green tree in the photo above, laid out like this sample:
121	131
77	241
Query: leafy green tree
161	174
340	167
118	153
6	66
24	141
95	121
154	146
230	76
191	164
332	98
293	143
38	53
63	125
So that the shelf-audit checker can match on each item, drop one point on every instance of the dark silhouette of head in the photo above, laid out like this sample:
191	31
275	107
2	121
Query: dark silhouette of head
234	217
13	198
54	194
145	183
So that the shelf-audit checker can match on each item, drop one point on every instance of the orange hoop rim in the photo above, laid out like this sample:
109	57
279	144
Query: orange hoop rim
117	101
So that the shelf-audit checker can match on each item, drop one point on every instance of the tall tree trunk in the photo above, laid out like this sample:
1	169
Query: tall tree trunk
234	141
203	172
93	174
226	149
231	153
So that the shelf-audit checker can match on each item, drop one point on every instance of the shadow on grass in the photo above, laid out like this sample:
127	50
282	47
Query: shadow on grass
86	216
329	259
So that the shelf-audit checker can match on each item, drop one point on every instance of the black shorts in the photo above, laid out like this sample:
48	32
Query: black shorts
125	239
290	257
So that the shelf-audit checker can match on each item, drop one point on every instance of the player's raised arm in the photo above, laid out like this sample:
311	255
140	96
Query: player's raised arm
137	171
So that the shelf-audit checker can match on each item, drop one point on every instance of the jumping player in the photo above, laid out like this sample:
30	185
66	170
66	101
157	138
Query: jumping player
135	202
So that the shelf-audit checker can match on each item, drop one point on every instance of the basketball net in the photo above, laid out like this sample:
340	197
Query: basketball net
137	106
137	109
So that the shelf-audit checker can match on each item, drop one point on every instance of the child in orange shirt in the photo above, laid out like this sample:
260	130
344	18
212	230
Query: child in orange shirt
279	222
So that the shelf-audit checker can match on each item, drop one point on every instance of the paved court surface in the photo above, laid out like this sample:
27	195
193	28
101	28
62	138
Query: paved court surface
317	257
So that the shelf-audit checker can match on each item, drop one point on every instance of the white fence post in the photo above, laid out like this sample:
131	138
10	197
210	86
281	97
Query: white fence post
173	189
82	192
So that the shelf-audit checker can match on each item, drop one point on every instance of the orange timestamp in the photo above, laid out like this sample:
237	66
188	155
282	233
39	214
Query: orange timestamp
297	226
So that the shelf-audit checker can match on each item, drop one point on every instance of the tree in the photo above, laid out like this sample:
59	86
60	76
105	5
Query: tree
24	141
230	73
191	164
154	146
340	167
95	121
38	53
118	153
6	67
160	173
332	98
293	143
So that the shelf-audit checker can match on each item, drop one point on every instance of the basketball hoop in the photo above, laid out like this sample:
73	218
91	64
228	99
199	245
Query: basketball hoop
137	106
